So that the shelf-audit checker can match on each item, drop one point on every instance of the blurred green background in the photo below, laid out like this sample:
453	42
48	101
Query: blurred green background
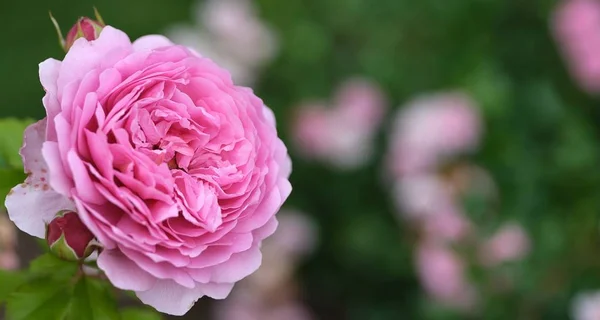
540	142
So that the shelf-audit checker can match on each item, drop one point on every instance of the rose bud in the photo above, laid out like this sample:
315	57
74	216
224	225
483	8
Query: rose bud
84	28
69	238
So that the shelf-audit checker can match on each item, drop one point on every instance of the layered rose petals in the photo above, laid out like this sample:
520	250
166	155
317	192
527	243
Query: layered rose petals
175	170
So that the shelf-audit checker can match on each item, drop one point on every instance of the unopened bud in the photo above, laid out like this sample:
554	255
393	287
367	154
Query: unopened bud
84	28
69	238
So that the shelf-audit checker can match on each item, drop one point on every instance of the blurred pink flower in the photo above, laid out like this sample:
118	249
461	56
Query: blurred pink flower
341	134
442	274
473	180
450	225
428	199
270	293
236	26
421	195
361	102
576	26
295	238
296	234
9	259
509	243
432	127
244	305
8	233
586	306
231	33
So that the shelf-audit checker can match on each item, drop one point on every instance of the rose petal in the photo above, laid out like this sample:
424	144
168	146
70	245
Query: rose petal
86	55
239	266
33	204
151	42
168	297
123	273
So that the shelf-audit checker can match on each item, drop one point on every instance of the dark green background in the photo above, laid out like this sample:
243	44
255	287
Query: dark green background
540	145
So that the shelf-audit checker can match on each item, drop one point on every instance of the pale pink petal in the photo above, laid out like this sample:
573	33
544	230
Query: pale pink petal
239	266
32	208
33	204
123	273
151	42
217	291
48	71
168	297
59	181
86	55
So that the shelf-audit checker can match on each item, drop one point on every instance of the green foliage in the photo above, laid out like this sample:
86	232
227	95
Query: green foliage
93	300
11	166
10	280
139	314
11	139
53	289
8	179
42	298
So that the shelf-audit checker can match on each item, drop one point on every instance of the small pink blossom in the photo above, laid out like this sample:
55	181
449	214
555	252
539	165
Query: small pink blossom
236	25
430	128
509	243
245	305
450	225
442	274
422	195
586	306
576	25
232	34
175	170
341	134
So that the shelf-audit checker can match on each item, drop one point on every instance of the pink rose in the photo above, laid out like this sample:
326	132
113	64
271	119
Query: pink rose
509	243
175	170
442	274
430	128
341	134
586	306
232	34
449	224
576	24
420	195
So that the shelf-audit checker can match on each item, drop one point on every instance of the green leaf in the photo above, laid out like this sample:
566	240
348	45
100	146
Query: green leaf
92	300
139	314
8	179
51	264
43	298
10	281
11	139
